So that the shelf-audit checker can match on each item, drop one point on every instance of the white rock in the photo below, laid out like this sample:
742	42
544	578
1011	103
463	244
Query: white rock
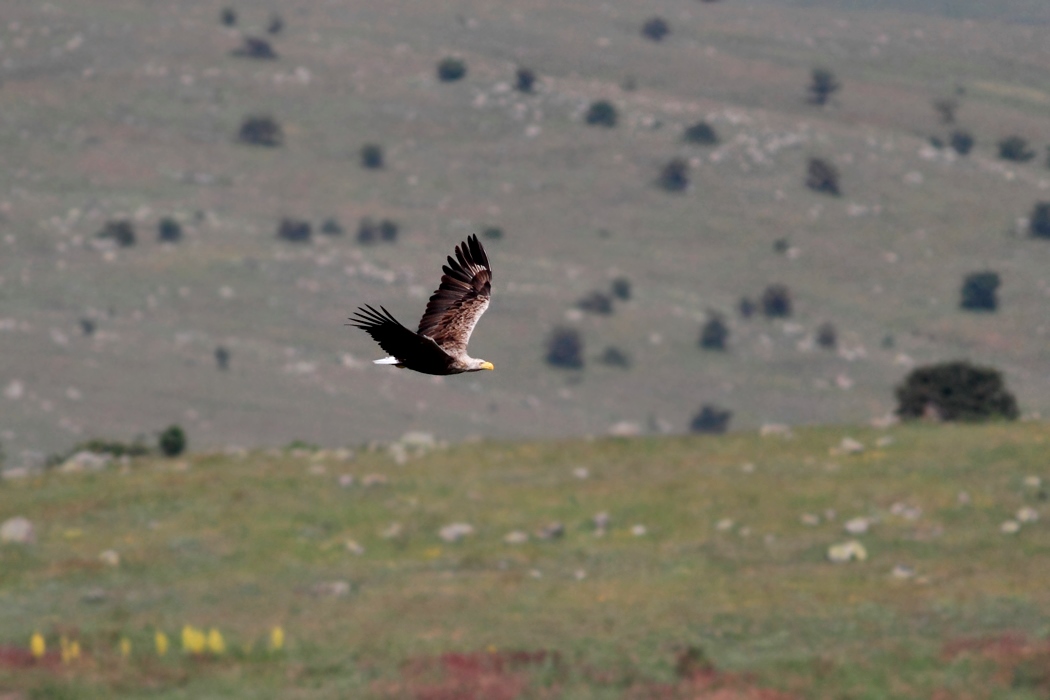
331	589
110	557
903	572
455	532
846	552
1033	482
15	390
810	519
724	524
516	537
1027	514
354	548
86	461
346	480
391	531
602	521
17	530
857	526
1010	527
370	480
639	530
581	473
552	531
580	574
849	446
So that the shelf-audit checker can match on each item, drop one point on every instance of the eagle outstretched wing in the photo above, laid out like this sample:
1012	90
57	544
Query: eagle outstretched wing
395	339
460	300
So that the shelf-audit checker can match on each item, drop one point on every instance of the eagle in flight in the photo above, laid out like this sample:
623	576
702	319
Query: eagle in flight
440	344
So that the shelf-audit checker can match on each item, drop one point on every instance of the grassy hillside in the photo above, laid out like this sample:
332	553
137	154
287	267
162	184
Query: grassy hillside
116	108
719	545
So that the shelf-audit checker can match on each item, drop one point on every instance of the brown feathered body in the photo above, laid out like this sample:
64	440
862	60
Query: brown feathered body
439	346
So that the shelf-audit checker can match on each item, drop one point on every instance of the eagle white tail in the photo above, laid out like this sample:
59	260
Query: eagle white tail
386	361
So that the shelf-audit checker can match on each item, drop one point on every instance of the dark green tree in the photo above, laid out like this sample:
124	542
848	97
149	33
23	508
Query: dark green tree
955	391
979	291
601	113
172	442
823	84
449	70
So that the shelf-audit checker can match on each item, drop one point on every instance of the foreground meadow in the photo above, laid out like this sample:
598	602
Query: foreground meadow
674	567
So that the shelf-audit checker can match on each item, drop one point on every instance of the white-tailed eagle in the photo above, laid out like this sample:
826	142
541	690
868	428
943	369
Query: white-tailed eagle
440	344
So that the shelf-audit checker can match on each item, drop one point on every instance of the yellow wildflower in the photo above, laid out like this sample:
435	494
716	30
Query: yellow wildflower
63	645
192	640
277	638
216	645
160	641
74	650
37	645
125	647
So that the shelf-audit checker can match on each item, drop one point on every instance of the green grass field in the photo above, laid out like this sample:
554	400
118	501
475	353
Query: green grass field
731	564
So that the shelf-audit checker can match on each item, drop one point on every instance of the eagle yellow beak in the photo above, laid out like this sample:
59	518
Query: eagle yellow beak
487	365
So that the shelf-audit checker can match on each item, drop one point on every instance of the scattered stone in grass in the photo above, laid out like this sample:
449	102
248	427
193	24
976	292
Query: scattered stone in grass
639	530
354	548
455	532
858	526
371	480
391	531
85	460
903	510
847	552
884	441
747	468
579	574
516	537
1033	482
903	572
94	596
848	446
581	473
110	557
744	531
963	498
775	429
331	589
724	524
811	519
17	530
601	523
317	470
536	573
830	514
346	480
1027	514
1010	527
552	531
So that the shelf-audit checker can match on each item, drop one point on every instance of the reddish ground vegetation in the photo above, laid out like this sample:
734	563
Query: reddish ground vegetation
1020	661
12	657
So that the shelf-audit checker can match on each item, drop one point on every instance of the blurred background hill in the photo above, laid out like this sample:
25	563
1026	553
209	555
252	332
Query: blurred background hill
193	203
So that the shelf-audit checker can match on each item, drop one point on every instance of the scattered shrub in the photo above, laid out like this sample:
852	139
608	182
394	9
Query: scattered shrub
621	288
294	230
169	230
525	80
615	357
120	231
714	334
388	231
449	70
1039	221
172	442
492	233
711	420
823	84
937	142
601	113
827	336
222	358
1015	148
656	28
945	108
255	47
979	291
372	156
332	227
776	301
596	303
781	246
87	326
747	307
701	133
112	447
822	176
955	391
276	25
228	16
369	231
261	131
565	348
962	142
674	177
